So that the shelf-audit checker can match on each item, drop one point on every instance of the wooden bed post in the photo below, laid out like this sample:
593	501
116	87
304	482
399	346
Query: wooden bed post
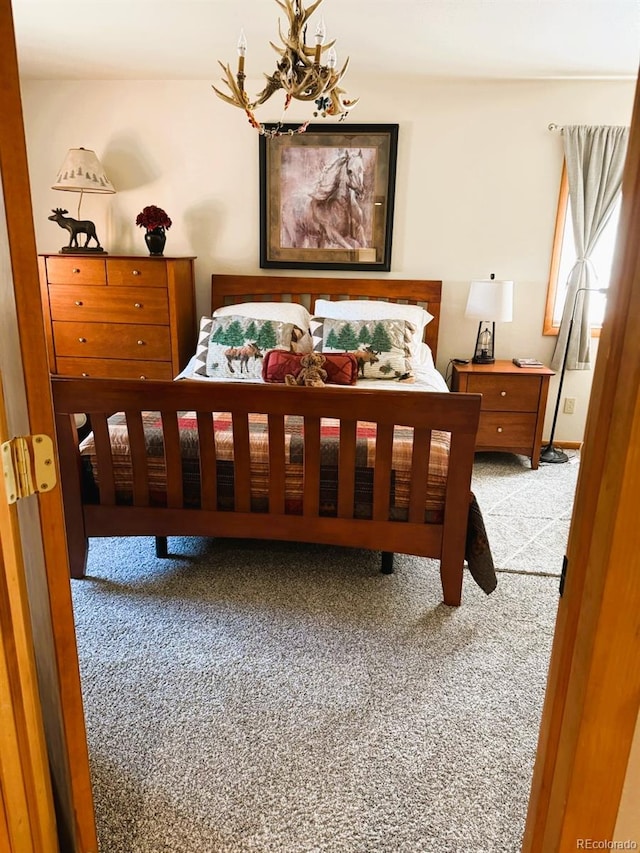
69	460
456	517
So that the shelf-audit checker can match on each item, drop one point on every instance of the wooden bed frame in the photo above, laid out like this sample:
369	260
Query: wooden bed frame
452	412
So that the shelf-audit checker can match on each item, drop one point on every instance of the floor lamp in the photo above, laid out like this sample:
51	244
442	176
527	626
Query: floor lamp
549	453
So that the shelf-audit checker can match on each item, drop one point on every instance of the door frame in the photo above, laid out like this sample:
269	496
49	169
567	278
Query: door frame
27	390
592	702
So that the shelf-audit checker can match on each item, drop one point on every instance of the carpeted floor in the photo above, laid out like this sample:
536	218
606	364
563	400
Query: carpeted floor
527	513
252	696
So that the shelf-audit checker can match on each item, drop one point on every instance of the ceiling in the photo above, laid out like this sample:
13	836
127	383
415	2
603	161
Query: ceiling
183	39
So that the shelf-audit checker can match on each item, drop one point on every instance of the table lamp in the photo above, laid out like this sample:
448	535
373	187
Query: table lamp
489	301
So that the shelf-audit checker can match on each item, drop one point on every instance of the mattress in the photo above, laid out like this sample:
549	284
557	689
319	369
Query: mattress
424	378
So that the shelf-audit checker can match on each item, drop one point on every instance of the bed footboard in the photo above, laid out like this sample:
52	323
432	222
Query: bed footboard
383	412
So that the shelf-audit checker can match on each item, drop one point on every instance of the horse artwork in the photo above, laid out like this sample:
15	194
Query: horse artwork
334	210
242	354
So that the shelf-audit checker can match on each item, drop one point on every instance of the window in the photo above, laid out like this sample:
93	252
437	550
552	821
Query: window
562	260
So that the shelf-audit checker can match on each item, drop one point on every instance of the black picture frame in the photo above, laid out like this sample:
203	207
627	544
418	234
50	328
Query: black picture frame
327	197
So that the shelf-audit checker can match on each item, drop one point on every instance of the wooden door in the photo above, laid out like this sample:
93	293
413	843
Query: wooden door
28	823
23	364
593	693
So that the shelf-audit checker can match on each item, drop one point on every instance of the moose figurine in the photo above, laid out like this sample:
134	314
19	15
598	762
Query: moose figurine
76	227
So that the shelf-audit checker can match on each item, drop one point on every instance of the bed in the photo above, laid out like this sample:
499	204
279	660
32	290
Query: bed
380	465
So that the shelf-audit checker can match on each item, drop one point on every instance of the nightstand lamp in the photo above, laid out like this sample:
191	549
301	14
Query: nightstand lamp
490	302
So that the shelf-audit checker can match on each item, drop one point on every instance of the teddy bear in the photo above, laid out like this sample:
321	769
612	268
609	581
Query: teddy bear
312	372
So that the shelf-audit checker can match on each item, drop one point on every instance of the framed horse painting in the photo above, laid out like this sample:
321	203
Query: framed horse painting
326	197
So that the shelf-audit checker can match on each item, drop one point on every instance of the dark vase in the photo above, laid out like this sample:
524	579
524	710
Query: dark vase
155	241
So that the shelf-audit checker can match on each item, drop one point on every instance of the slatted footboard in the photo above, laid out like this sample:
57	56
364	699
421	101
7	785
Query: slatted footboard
411	525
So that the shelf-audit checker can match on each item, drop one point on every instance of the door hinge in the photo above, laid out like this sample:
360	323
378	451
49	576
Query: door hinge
563	574
28	466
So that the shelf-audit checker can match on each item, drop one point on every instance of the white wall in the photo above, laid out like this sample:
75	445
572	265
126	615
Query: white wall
477	183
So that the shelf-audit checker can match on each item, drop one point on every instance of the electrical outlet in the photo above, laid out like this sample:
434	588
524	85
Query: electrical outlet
569	405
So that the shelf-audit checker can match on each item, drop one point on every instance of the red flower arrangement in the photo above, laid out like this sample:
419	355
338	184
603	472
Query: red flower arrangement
153	217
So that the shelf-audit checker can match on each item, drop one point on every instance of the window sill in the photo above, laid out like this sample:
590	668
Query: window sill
552	331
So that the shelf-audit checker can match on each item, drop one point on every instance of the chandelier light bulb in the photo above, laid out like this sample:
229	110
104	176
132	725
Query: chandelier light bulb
332	58
321	32
242	44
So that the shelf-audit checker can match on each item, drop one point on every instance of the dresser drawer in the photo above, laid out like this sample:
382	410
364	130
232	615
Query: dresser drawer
504	393
101	340
136	272
115	368
126	316
122	305
76	270
512	429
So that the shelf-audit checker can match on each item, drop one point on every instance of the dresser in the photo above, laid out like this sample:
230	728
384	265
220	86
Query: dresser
514	401
116	316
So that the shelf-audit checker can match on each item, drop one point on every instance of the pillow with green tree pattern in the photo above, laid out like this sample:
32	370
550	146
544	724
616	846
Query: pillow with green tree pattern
236	345
381	347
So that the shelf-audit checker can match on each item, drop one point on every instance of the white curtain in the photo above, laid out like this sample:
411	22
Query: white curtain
595	159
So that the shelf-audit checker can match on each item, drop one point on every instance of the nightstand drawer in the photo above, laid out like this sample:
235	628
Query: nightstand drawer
76	270
101	340
114	368
136	272
512	429
93	305
504	393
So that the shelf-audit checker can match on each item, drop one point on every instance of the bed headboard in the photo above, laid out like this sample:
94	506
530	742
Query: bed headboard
229	289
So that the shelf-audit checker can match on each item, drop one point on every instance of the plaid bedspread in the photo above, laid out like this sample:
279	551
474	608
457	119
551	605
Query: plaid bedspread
477	544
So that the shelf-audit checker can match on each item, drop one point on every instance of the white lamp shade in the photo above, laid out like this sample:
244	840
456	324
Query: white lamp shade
82	172
490	300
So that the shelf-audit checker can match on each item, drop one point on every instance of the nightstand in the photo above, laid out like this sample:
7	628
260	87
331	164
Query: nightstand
514	400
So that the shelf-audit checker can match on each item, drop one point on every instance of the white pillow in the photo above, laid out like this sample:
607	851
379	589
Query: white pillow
286	312
425	357
370	309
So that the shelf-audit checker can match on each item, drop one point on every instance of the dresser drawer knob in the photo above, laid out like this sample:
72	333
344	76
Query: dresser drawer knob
85	374
503	393
135	272
137	304
78	302
76	270
143	376
82	340
499	429
140	343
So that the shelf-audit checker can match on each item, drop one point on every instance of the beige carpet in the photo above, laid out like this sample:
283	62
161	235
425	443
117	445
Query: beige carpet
526	513
263	697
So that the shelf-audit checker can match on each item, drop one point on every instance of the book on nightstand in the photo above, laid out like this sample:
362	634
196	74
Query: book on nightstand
527	362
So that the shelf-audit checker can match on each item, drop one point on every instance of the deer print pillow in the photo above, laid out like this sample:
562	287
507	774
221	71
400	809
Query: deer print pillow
381	347
237	345
233	347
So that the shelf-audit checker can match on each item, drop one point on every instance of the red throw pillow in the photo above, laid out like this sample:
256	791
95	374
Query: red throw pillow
341	367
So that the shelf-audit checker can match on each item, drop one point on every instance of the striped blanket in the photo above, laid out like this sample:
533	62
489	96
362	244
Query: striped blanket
259	463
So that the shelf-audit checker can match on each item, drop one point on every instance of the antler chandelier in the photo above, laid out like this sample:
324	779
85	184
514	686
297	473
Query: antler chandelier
299	72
